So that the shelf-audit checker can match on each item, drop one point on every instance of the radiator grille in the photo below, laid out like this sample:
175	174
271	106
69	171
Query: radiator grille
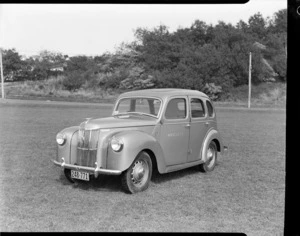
87	147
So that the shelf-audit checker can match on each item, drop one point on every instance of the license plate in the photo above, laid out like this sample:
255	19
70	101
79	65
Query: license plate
80	175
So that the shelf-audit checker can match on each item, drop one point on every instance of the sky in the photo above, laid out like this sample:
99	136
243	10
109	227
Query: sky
93	29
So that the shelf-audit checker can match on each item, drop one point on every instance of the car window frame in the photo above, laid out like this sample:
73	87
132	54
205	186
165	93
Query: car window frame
204	107
213	108
145	97
187	117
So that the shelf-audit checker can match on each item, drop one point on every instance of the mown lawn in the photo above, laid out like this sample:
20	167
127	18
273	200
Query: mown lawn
245	193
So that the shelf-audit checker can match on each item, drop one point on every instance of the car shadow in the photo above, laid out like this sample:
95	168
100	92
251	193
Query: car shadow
104	183
112	183
160	178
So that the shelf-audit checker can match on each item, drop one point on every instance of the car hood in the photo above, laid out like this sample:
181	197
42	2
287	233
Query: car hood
118	122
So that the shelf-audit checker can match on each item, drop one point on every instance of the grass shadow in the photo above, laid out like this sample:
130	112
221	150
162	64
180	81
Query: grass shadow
161	178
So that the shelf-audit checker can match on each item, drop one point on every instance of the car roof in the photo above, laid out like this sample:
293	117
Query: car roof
163	93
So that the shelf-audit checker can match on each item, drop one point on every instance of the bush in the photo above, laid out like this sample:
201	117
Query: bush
113	81
144	82
73	81
212	90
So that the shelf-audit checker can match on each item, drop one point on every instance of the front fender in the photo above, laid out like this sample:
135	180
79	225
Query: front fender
134	142
212	135
64	150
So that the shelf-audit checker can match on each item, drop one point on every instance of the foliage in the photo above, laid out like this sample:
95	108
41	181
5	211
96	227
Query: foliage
202	57
43	63
13	65
212	90
137	80
80	64
279	22
113	80
73	81
81	71
203	54
257	26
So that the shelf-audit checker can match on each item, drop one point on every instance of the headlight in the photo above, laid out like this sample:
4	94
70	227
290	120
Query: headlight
116	144
60	138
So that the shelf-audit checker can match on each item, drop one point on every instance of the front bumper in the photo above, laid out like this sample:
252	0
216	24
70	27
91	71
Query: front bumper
96	171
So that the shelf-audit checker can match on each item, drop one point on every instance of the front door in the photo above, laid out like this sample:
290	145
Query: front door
175	131
199	128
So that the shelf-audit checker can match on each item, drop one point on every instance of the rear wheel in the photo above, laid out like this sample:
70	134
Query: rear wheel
137	177
211	158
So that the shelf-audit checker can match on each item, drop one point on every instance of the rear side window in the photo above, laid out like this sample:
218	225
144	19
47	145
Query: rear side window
210	109
197	108
176	109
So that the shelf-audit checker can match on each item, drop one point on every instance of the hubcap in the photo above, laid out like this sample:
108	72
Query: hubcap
139	173
210	157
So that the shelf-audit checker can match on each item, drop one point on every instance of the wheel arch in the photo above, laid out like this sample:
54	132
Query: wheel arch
134	143
213	135
217	142
153	159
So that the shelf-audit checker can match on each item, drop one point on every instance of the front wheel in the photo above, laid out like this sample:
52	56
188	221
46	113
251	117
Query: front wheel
211	158
137	177
67	173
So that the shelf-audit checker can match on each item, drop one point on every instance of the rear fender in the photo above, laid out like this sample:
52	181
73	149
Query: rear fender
212	135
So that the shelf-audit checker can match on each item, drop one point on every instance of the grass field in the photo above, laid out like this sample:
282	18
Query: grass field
245	192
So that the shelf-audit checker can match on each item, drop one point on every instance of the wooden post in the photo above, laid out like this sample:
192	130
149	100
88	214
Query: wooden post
2	77
249	94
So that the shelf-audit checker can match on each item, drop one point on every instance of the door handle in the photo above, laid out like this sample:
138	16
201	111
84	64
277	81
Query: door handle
207	123
188	126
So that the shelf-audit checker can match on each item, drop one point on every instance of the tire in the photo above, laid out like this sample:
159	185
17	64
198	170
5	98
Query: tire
67	173
137	177
212	154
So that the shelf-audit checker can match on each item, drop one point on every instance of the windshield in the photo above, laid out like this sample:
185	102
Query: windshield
138	106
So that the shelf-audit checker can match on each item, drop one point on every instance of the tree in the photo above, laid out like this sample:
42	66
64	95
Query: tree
279	22
198	33
43	63
276	42
12	65
80	70
242	26
197	57
257	26
154	47
81	64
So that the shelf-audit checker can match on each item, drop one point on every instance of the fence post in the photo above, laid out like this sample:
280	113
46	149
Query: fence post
2	77
249	85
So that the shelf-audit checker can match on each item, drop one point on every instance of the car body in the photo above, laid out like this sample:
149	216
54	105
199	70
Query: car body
154	129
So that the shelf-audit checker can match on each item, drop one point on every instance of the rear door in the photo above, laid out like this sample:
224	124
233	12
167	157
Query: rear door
199	127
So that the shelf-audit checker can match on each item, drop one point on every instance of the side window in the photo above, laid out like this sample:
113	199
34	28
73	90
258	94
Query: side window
176	109
210	109
197	108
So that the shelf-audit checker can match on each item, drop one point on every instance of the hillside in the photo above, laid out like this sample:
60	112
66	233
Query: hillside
268	94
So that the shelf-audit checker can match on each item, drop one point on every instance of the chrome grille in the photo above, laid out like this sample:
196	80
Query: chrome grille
87	147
